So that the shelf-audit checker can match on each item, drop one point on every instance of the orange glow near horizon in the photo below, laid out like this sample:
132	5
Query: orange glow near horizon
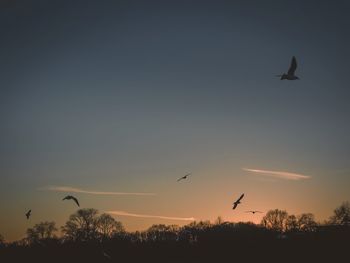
202	197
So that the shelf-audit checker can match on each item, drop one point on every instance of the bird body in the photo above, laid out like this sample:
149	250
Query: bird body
184	177
290	75
70	197
28	214
253	211
237	202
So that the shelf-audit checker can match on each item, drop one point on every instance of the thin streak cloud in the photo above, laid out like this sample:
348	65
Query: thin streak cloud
278	174
68	189
123	213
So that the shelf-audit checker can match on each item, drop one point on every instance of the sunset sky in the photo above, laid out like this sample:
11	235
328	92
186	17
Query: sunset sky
113	101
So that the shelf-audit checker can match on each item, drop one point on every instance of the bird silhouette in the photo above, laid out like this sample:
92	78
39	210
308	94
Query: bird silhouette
253	211
291	72
70	197
237	202
28	214
184	177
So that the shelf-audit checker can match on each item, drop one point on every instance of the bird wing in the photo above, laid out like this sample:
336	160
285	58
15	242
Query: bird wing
240	198
234	205
76	201
67	197
184	177
293	66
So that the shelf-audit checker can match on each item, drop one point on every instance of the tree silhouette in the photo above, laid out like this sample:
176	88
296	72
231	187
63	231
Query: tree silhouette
219	220
201	241
82	225
301	223
306	222
137	236
107	226
193	231
2	240
162	233
341	214
276	220
292	224
41	231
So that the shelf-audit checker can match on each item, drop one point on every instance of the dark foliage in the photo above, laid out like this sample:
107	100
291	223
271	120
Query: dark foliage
301	241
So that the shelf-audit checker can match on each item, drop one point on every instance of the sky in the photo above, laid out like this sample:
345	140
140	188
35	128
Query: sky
113	101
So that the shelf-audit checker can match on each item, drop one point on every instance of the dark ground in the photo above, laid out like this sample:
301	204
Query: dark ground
218	246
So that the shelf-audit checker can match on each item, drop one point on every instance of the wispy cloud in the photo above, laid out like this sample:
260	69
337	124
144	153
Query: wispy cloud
123	213
279	174
68	189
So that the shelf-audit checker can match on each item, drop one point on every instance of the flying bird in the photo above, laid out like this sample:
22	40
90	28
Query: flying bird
237	202
290	74
253	211
28	214
70	197
184	177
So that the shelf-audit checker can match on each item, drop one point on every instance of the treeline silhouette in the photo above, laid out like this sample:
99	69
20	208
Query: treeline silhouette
280	237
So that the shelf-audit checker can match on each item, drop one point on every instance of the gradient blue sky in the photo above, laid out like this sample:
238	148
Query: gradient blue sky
127	96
